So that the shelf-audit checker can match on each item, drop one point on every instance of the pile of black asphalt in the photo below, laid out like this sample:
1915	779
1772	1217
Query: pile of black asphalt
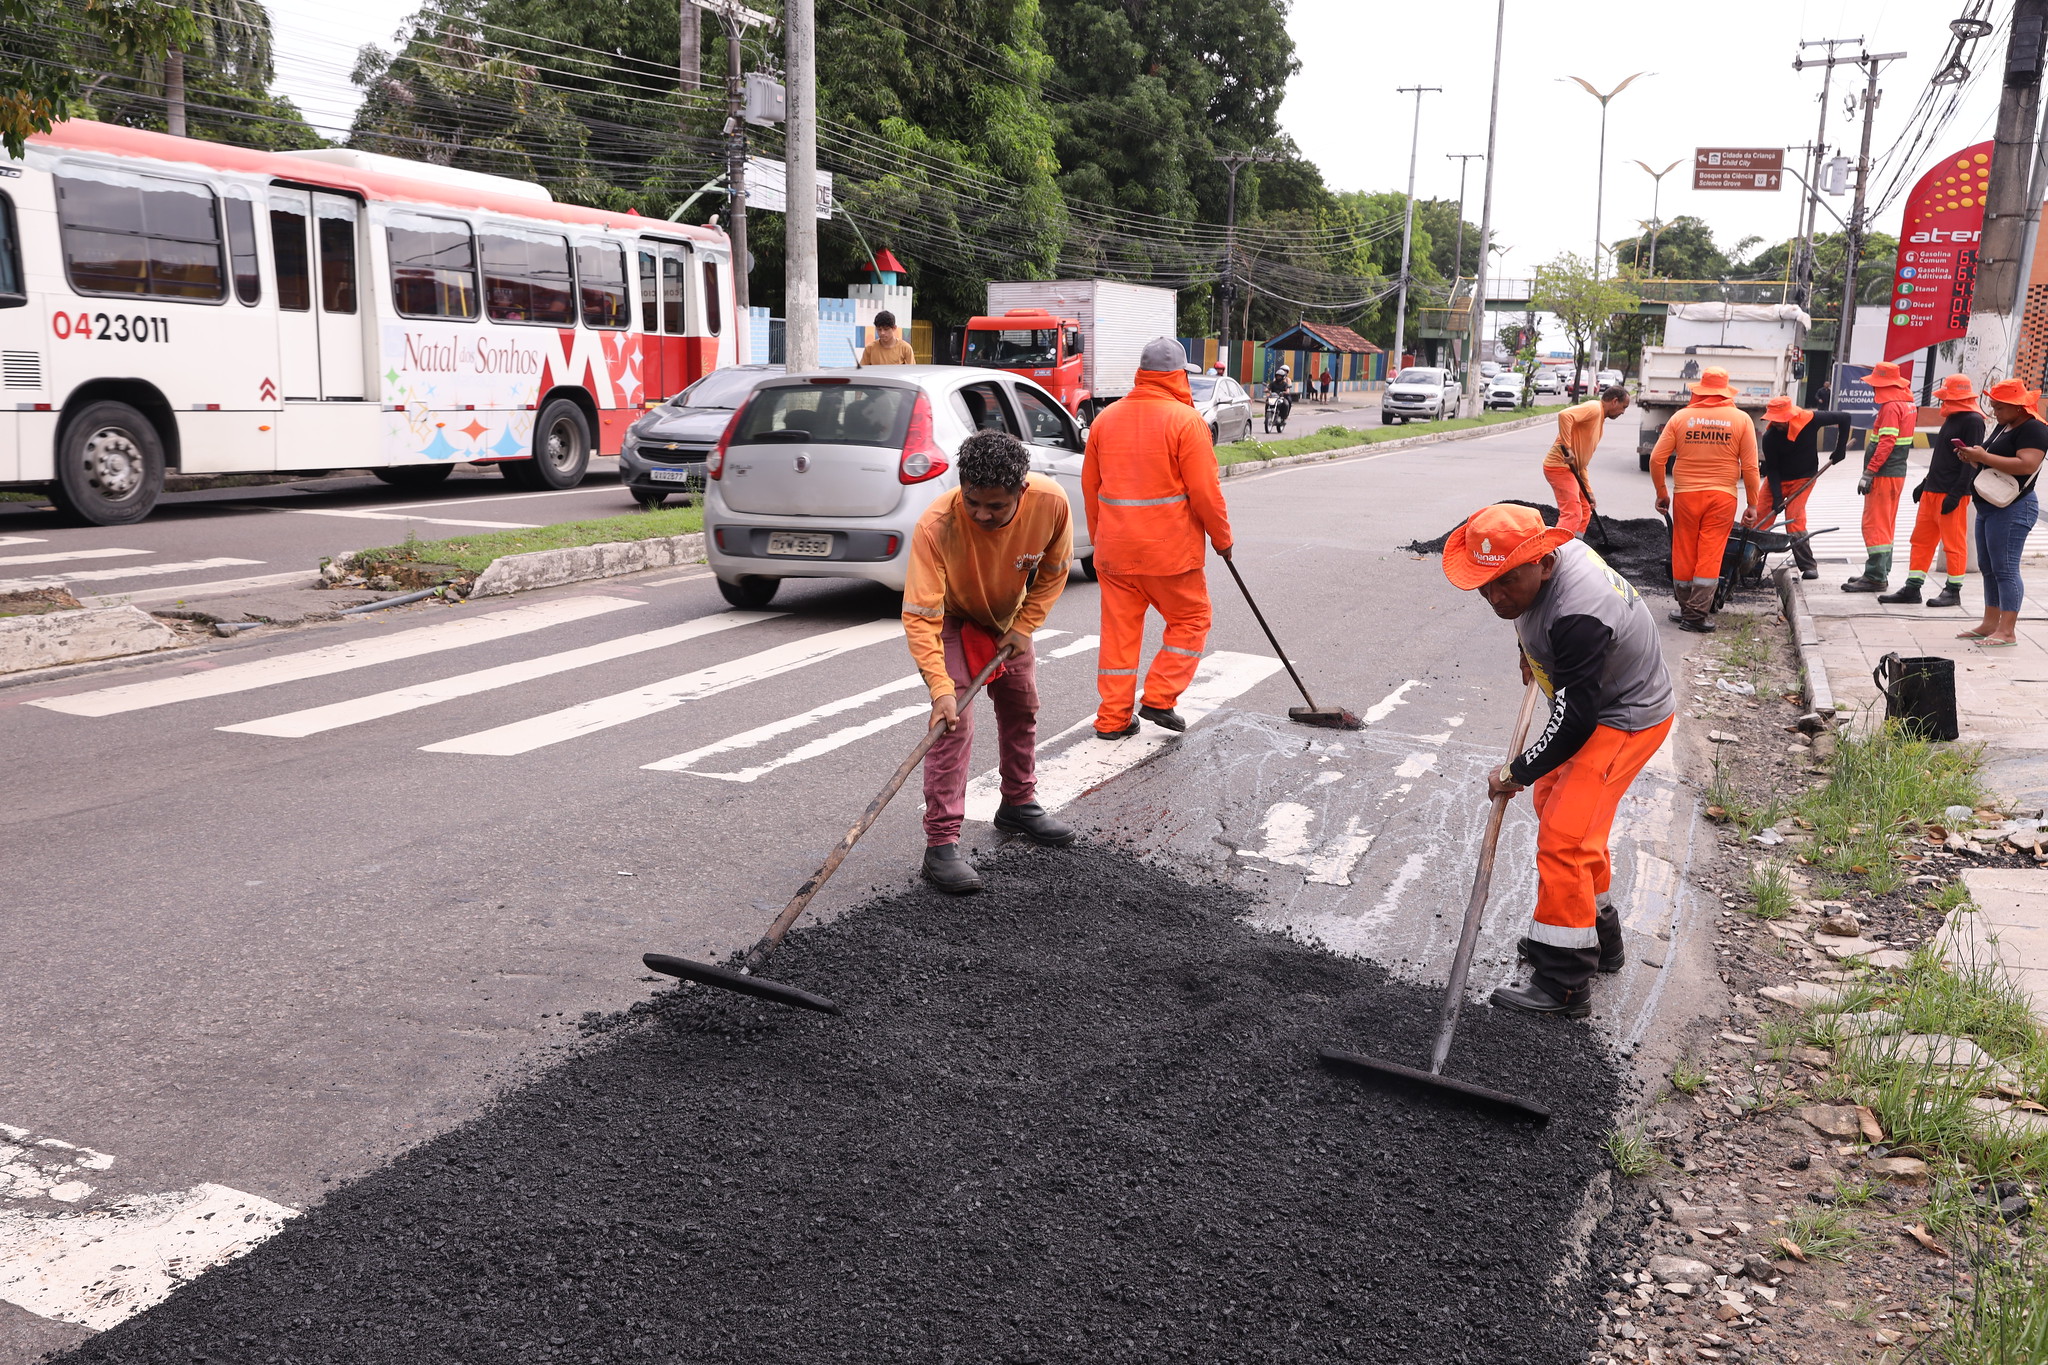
1076	1118
1638	548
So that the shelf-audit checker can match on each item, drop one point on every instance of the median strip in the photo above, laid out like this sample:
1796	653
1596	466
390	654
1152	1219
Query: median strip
498	562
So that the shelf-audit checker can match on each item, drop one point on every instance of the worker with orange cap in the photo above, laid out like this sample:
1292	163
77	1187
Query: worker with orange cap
1151	492
1789	459
1710	445
1884	474
1588	640
1940	514
1579	428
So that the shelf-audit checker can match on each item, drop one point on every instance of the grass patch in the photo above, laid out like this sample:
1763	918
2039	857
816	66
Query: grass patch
1743	642
1337	438
472	554
18	495
1822	1233
1770	891
1632	1152
1686	1078
1735	808
1949	897
1881	788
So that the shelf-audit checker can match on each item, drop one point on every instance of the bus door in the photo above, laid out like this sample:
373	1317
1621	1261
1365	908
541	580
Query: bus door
313	242
340	297
664	278
298	327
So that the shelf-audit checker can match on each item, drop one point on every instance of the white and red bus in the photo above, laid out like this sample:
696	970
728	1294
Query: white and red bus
173	304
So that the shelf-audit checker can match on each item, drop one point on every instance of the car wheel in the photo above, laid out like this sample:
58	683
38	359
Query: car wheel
415	475
650	501
561	447
750	593
110	466
1215	435
1087	563
1643	460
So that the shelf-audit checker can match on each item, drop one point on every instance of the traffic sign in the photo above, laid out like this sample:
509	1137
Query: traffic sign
1738	168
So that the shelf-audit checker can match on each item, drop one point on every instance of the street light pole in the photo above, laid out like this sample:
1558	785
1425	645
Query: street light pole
1472	400
1600	174
1656	206
1408	226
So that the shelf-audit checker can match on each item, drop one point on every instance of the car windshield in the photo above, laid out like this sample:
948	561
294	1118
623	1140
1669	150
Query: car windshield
832	413
1202	387
1419	377
1012	349
719	389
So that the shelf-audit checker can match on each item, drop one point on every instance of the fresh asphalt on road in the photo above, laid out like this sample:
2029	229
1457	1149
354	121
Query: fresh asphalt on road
285	914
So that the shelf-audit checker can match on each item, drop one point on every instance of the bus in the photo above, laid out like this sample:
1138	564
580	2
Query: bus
169	304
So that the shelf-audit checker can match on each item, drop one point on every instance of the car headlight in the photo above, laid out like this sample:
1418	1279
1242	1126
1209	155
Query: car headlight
630	443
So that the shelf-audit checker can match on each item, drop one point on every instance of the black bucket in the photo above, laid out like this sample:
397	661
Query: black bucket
1920	694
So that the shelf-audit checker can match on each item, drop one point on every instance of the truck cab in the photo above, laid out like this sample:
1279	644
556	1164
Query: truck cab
1036	344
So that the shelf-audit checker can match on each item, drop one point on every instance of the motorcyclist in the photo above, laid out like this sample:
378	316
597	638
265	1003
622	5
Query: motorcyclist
1280	395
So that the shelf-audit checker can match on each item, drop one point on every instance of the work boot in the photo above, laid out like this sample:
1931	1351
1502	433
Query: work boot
1607	923
1031	821
1701	626
1951	595
1909	591
1124	733
1809	574
1862	583
1533	999
947	868
1166	718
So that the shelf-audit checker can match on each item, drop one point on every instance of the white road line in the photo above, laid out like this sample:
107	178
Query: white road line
24	540
390	516
53	556
318	663
502	497
132	571
186	591
1080	646
1384	707
602	713
318	719
679	578
1089	762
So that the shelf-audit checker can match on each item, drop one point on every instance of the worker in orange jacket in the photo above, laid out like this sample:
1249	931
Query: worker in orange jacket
1710	444
1151	492
1579	428
1884	474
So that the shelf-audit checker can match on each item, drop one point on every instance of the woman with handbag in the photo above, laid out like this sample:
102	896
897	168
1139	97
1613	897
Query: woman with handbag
2006	468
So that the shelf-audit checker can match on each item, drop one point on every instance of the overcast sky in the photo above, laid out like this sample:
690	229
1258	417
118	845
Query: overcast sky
1720	76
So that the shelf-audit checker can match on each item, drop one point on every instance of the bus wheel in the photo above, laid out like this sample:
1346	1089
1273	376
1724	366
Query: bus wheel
561	446
110	466
415	475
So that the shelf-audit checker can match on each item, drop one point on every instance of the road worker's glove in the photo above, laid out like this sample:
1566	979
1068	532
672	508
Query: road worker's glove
1863	486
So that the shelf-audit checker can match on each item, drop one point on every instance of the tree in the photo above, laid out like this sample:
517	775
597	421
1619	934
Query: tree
51	47
1685	251
1583	302
1874	270
212	84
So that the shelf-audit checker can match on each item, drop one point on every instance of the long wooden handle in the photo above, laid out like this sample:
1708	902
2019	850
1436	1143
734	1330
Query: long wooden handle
802	899
1261	617
1475	908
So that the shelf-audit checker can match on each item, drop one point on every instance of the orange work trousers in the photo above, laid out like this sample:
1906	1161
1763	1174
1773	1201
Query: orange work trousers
1700	525
1183	599
1950	530
1881	514
1573	512
1575	805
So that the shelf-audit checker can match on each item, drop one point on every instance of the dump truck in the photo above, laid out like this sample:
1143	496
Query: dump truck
1079	338
1758	344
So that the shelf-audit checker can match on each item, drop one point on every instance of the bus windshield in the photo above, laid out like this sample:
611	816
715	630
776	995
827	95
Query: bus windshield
1012	349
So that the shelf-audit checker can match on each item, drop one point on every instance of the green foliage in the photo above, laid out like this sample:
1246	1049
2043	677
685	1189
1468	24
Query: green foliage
1583	302
1821	1233
472	554
1633	1154
1685	251
1880	787
1874	269
1686	1077
55	55
1770	891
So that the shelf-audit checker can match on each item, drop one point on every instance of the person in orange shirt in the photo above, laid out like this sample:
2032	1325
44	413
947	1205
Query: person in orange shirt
1579	428
1149	484
1709	444
987	561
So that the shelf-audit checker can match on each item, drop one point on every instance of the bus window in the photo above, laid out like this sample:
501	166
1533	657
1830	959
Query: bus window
337	219
294	267
526	278
242	249
433	267
601	275
139	234
650	290
672	290
712	319
12	294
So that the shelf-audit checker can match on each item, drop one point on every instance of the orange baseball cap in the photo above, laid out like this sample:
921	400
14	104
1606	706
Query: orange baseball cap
1713	383
2015	392
1496	539
1884	375
1955	388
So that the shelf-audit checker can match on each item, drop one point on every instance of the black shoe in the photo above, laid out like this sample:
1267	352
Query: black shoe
1033	823
1950	596
947	868
1165	719
1124	733
1674	616
1861	583
1809	574
1531	1000
1909	591
1608	965
1700	627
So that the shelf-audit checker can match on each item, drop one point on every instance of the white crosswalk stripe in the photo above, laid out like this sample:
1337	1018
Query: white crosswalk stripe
54	580
330	659
317	719
573	722
24	540
57	556
391	516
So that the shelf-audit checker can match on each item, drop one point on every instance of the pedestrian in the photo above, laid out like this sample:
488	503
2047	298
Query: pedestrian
1329	383
1715	447
1588	640
1884	475
2006	508
1939	514
987	561
888	346
1149	484
1790	459
1579	428
1824	396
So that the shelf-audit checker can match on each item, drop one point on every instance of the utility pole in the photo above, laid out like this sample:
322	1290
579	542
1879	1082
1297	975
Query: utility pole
1854	253
1408	226
737	18
1458	254
1803	273
1471	402
2001	273
1226	287
800	219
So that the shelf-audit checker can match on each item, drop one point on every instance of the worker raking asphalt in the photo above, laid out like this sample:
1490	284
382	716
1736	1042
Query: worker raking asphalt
1639	548
1077	1118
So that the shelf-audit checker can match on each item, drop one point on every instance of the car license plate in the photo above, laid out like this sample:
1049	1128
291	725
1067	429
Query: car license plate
660	475
798	543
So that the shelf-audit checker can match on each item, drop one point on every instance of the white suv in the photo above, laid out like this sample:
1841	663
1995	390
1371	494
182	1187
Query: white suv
1420	392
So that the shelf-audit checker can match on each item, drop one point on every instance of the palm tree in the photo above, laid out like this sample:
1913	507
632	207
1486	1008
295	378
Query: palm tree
234	39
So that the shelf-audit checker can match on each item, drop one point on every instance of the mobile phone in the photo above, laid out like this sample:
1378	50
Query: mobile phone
1955	443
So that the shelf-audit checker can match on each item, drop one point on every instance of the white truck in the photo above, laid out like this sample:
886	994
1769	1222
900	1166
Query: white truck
1757	344
1113	321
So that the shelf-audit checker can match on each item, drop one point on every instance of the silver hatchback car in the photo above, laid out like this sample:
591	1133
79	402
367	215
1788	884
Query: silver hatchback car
825	475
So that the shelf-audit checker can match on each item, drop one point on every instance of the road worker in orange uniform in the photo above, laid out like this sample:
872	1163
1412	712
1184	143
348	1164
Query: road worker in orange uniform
1579	428
1149	485
1942	501
1714	443
1884	474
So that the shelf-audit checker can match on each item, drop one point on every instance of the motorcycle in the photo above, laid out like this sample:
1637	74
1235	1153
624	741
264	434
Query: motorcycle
1279	403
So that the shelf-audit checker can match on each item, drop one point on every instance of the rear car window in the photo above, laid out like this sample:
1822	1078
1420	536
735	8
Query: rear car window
829	414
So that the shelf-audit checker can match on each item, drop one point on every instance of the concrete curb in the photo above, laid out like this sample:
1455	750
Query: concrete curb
579	563
70	637
1247	467
1820	695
